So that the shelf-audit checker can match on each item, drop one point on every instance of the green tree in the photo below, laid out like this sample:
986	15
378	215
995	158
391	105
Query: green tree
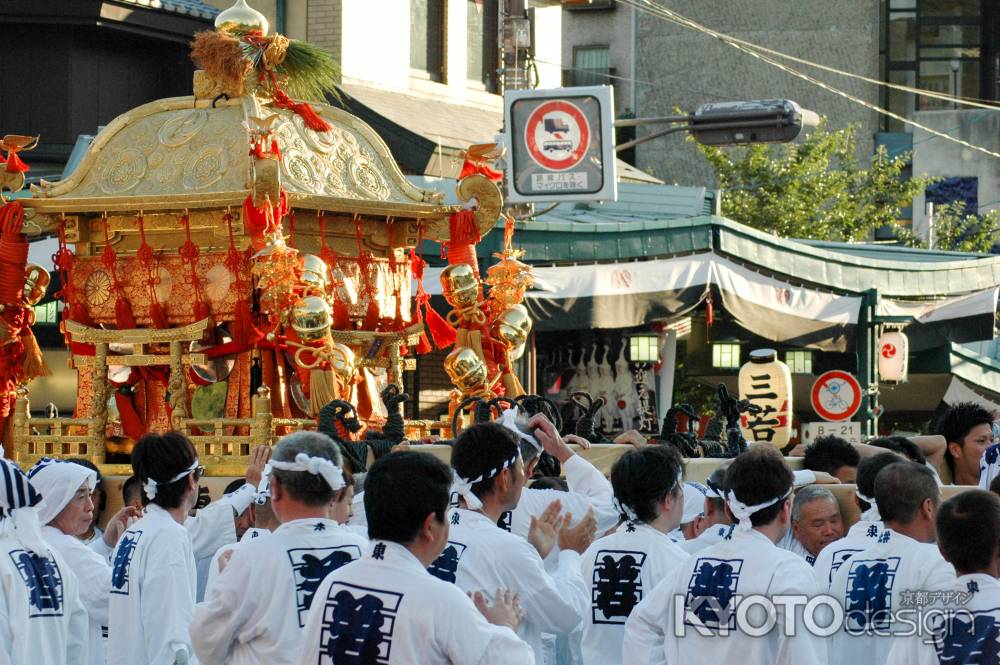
958	231
813	189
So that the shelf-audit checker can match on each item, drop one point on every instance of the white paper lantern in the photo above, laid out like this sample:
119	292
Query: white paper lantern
767	383
893	356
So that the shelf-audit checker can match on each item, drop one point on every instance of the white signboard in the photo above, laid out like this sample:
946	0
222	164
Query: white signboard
560	144
851	431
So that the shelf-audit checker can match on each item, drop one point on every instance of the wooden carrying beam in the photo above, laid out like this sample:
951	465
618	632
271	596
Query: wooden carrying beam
88	335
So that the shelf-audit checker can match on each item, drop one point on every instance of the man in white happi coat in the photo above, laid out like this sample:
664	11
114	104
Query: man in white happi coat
882	580
816	522
153	579
265	522
866	530
66	513
622	567
489	477
965	628
257	607
691	617
718	523
386	608
42	620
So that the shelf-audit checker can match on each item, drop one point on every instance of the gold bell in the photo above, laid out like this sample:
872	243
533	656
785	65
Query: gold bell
465	369
512	327
342	361
36	282
311	318
459	285
315	272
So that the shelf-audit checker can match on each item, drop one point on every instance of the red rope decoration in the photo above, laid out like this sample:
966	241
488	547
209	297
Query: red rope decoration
442	332
124	317
244	331
189	254
74	309
147	259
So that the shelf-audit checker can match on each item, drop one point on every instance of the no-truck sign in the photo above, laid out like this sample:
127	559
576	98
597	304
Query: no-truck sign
560	144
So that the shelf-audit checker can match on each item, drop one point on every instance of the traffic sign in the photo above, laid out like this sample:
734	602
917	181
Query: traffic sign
836	396
561	145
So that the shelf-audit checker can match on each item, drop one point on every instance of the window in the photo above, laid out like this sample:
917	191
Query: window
726	355
946	46
799	362
643	349
591	65
427	30
483	52
48	313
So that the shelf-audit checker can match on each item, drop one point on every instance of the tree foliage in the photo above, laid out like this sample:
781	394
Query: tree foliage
814	189
957	230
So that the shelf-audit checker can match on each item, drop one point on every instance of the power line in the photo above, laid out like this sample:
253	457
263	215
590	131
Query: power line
760	55
668	14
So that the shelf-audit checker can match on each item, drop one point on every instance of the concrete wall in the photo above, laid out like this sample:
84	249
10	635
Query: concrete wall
614	28
690	68
933	156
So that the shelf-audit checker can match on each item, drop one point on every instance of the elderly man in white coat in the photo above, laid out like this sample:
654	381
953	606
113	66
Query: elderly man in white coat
257	607
42	621
386	608
66	511
866	530
153	580
874	584
691	617
480	556
621	567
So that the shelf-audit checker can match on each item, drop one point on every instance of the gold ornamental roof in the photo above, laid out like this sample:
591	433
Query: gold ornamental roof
184	152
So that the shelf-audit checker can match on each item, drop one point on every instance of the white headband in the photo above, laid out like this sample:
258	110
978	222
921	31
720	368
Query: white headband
742	512
712	491
508	419
317	466
58	482
464	487
627	511
149	487
872	514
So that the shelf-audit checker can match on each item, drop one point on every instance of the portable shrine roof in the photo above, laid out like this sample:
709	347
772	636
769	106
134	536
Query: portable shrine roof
195	8
180	153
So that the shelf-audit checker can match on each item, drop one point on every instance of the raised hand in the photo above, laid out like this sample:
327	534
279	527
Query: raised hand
578	440
578	538
544	530
505	610
549	437
258	459
119	523
633	438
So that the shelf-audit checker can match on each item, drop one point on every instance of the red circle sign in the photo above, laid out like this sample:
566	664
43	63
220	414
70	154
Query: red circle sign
836	396
557	135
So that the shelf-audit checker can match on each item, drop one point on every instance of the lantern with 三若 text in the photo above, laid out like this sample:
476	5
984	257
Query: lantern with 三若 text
766	383
893	356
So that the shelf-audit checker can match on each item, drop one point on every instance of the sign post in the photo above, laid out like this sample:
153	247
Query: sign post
560	145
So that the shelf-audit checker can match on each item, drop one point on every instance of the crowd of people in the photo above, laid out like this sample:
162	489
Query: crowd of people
308	561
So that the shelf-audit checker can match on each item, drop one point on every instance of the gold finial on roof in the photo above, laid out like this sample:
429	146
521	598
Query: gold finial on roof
243	17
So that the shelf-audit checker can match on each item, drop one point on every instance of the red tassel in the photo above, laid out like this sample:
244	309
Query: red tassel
441	331
14	163
303	110
423	345
341	315
124	318
371	316
201	310
244	331
158	315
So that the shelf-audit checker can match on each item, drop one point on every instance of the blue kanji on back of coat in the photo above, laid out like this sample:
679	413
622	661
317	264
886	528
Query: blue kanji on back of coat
711	589
43	580
357	626
122	564
616	585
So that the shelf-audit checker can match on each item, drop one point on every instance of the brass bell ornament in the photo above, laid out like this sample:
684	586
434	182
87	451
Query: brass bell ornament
315	273
460	285
311	318
36	282
466	370
512	327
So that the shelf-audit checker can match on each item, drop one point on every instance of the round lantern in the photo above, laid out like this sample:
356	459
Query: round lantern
766	382
893	356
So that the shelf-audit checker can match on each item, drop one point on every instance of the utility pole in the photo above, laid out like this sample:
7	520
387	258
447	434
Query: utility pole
515	44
